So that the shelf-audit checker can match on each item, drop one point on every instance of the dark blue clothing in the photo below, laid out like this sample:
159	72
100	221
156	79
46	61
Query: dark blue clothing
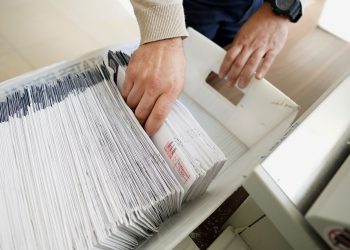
219	20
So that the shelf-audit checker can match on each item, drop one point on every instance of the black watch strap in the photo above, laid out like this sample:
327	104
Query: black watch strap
295	12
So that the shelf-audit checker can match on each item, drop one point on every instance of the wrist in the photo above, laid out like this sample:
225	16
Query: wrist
266	8
174	42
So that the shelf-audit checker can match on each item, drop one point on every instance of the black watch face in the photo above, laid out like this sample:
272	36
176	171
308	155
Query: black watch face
284	4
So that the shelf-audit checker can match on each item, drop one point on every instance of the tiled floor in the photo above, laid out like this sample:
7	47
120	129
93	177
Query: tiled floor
35	33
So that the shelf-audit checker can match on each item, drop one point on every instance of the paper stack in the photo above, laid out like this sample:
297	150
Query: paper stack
77	171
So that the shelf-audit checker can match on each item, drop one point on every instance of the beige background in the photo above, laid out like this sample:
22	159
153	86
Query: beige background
35	33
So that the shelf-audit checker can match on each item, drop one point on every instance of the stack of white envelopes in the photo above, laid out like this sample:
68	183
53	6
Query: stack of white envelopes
77	170
192	155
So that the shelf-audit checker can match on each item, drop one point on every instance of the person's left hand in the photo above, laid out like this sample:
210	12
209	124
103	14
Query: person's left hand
255	47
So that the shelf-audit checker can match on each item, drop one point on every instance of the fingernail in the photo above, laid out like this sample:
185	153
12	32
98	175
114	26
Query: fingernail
241	84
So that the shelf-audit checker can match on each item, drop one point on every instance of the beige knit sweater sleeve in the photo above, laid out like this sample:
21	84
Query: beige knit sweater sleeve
159	19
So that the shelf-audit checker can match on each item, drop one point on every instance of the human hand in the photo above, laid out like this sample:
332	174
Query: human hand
154	79
255	47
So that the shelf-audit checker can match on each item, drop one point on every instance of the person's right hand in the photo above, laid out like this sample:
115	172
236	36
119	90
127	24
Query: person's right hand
154	79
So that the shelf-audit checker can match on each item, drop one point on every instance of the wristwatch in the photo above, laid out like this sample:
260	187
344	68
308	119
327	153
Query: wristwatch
289	8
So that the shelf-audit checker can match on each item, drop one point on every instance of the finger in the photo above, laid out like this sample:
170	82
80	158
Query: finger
265	66
238	64
128	84
159	113
145	107
250	67
230	57
134	96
